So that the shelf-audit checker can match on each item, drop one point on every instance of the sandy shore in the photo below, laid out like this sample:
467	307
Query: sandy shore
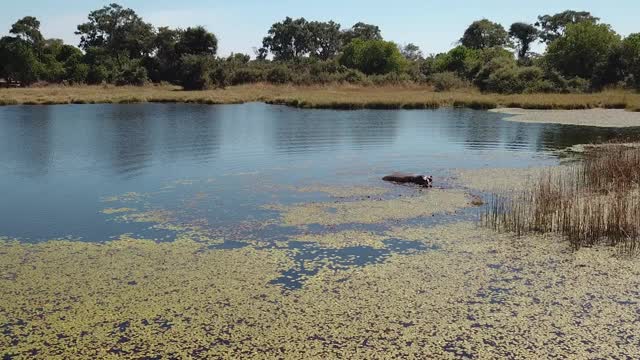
593	117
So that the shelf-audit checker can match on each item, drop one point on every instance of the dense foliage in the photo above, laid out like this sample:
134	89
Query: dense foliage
117	46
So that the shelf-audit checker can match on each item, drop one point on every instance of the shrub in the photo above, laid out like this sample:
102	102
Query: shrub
196	72
78	73
132	74
353	76
482	78
373	57
246	76
446	81
98	75
279	75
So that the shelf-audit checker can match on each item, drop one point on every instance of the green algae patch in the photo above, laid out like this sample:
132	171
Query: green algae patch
344	191
151	216
345	239
484	295
132	298
500	179
111	211
373	211
127	197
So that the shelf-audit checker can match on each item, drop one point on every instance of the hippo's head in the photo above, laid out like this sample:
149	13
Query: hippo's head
428	181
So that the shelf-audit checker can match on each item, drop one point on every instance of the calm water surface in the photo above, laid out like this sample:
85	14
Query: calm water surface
220	164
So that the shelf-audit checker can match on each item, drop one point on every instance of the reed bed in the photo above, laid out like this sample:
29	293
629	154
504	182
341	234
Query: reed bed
594	202
333	96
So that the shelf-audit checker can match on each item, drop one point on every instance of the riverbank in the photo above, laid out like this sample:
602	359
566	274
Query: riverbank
322	97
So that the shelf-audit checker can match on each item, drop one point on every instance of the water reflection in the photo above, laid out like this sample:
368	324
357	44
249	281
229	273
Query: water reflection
56	162
25	141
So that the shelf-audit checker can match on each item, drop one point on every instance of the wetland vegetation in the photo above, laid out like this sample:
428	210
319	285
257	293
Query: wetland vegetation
593	202
152	225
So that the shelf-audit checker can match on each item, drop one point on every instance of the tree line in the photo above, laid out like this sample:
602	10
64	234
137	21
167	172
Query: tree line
118	47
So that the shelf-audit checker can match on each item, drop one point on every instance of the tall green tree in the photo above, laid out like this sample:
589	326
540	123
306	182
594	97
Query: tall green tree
631	58
553	26
18	60
581	49
117	30
411	52
196	41
483	34
289	39
28	29
361	31
523	35
325	39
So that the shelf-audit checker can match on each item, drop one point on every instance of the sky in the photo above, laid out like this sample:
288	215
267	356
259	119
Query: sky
240	25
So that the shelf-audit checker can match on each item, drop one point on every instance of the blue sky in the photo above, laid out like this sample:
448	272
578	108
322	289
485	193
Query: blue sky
241	24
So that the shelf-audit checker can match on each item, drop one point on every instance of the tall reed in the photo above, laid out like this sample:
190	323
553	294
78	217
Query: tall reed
594	202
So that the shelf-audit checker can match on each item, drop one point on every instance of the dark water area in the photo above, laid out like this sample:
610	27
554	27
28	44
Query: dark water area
220	164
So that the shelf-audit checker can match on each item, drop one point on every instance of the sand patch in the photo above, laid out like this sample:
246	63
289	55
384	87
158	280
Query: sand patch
615	118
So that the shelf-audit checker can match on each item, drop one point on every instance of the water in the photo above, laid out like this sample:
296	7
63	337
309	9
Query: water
219	164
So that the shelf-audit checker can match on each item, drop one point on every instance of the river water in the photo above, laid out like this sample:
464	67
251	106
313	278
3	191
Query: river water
221	164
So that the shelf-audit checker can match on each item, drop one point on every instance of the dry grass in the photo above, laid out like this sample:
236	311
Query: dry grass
330	96
595	202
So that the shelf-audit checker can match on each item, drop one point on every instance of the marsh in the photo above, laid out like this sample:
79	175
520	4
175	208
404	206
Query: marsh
230	226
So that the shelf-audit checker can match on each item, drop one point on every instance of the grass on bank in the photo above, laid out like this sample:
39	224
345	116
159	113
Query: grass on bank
594	202
329	97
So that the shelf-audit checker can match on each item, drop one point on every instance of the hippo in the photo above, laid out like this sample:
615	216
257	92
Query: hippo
402	178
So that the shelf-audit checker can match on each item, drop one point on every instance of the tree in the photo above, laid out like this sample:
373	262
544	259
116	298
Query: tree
198	72
631	58
553	26
458	60
196	41
18	61
119	31
411	52
361	31
582	48
325	39
523	35
28	29
289	39
484	34
373	56
164	65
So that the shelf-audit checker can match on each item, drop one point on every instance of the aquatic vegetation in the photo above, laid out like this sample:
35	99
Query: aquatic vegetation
346	239
373	211
498	179
134	298
596	201
111	211
128	197
344	191
151	216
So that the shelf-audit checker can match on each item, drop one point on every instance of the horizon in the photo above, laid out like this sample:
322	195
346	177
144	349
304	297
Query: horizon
434	29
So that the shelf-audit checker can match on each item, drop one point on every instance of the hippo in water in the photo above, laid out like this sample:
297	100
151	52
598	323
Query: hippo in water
402	178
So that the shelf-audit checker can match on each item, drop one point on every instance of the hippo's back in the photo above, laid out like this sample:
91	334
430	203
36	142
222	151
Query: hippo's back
400	177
